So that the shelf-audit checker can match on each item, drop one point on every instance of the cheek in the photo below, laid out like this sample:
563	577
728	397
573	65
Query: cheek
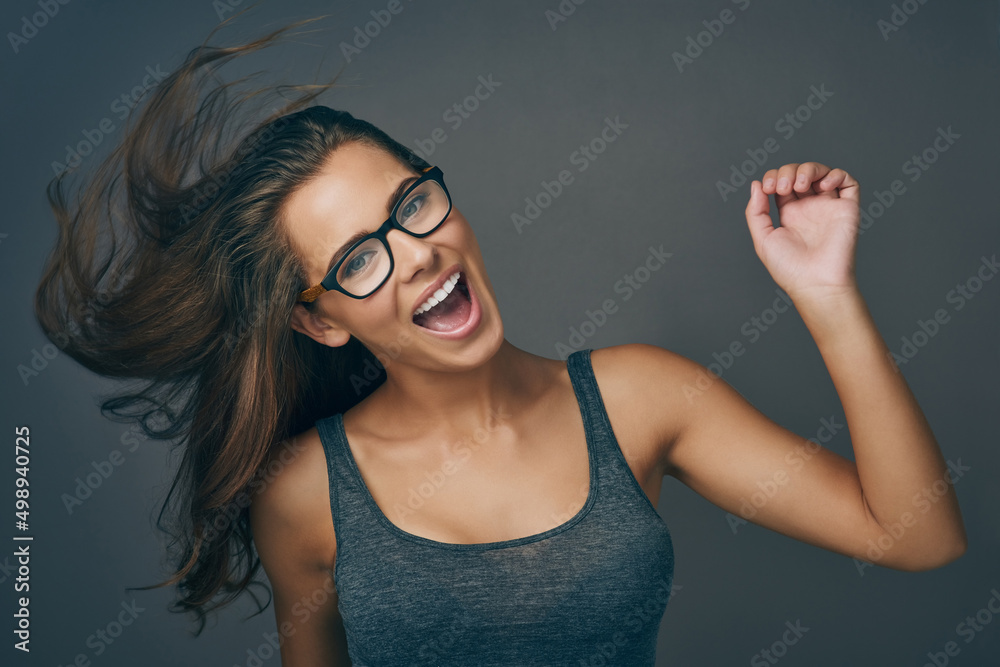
460	234
373	319
472	245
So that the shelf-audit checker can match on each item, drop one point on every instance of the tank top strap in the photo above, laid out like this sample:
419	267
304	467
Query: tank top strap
616	481
588	395
348	501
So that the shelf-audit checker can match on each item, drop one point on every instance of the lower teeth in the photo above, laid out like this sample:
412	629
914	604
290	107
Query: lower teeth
431	319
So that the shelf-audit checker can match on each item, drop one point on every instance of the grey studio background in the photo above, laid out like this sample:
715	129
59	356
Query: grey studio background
868	86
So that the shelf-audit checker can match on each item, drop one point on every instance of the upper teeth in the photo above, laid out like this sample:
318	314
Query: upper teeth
440	294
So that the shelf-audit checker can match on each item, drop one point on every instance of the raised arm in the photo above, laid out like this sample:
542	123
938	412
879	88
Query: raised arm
897	494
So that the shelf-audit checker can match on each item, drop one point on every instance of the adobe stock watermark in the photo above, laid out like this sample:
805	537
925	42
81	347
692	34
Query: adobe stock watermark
922	501
223	7
434	480
40	359
261	479
30	26
440	646
212	184
302	611
457	114
958	297
796	460
786	126
714	28
648	611
271	646
102	470
915	167
363	35
120	106
581	158
433	649
627	285
245	323
970	627
574	506
779	647
752	329
562	12
898	17
103	637
371	371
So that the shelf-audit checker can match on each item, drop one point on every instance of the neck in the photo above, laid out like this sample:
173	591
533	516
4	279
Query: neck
435	403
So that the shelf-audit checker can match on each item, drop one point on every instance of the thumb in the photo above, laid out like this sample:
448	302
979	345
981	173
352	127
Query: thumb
758	215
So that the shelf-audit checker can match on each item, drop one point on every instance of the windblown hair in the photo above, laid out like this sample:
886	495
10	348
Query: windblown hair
172	268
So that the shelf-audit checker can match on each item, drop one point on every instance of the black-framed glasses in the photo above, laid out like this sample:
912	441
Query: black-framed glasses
368	263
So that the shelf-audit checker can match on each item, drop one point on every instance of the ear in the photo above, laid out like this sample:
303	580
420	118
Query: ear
319	329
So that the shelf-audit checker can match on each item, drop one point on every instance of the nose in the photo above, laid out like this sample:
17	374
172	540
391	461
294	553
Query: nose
410	254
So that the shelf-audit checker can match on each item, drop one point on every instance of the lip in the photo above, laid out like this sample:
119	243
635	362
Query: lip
435	286
475	316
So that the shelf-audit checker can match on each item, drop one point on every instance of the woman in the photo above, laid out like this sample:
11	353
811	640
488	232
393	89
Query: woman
313	317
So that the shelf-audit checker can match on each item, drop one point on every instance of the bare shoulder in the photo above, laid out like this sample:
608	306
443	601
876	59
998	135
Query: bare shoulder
647	387
290	512
292	525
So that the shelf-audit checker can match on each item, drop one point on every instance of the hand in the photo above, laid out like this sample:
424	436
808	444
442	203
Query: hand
812	252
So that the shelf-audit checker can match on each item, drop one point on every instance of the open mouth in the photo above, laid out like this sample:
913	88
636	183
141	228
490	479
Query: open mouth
451	312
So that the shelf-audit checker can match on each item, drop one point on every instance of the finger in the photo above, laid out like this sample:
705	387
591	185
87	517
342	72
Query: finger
807	175
842	184
786	177
758	215
769	181
831	182
785	190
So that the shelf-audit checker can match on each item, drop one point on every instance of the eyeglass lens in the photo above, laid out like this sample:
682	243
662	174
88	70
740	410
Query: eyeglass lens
365	267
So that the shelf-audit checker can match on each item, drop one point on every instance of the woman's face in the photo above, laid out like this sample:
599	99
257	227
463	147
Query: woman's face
349	196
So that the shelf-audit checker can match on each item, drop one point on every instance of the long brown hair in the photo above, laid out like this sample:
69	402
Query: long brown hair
172	267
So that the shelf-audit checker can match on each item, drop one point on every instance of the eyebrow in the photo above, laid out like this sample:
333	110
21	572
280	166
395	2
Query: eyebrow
389	205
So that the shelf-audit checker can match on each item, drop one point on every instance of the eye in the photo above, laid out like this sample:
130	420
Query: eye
357	263
411	208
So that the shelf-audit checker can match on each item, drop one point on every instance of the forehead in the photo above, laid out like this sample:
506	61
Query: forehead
346	196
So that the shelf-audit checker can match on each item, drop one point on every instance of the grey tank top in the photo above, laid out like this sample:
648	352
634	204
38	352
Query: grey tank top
591	591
